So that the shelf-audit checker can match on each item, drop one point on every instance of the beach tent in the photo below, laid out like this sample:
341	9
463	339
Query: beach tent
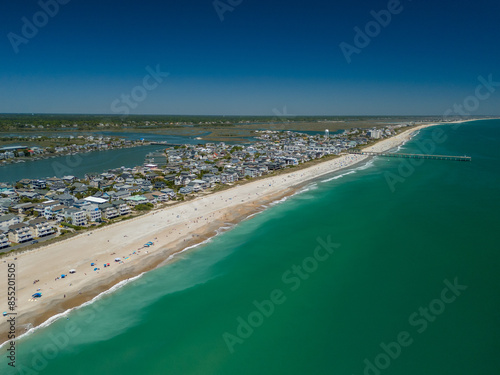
95	269
63	276
37	295
4	313
72	271
117	259
92	264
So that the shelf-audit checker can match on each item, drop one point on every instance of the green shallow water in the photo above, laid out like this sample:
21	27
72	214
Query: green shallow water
396	248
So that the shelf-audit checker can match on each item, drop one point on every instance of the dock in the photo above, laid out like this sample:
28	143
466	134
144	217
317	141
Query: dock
411	156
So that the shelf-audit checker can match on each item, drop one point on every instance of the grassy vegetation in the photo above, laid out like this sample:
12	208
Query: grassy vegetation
144	207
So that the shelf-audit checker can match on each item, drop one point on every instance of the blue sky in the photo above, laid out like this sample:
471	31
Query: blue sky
264	56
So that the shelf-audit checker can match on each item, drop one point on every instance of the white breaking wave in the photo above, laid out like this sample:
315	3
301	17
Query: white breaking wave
56	317
339	176
365	166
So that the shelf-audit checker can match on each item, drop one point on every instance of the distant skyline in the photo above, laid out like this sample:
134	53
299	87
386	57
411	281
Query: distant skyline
241	57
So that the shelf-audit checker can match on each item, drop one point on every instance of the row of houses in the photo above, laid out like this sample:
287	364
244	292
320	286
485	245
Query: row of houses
91	144
22	232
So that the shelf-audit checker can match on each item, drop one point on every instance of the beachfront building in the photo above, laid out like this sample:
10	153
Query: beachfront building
374	133
124	209
227	178
169	192
7	220
20	233
4	240
78	217
54	212
109	211
93	212
186	190
252	172
159	196
134	200
41	227
198	185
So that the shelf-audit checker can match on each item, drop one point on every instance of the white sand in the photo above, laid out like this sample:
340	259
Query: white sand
170	229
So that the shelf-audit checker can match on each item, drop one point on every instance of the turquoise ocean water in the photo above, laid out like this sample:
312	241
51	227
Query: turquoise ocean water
385	252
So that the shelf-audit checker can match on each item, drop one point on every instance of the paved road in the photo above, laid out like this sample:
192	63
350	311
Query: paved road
20	246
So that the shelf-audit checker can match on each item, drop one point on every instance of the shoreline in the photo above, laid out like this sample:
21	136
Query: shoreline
232	206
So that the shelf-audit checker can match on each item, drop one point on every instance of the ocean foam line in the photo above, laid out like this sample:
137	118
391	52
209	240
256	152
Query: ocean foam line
122	283
114	288
56	317
368	164
339	176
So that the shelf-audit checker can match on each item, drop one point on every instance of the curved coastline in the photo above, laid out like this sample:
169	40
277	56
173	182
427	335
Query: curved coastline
189	234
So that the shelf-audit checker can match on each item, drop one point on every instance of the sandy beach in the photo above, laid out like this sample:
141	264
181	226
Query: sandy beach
171	229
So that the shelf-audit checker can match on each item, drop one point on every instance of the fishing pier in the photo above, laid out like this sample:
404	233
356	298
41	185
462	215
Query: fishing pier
411	156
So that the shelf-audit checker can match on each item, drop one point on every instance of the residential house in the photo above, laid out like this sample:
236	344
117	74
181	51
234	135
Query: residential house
169	192
108	211
159	196
54	212
4	240
28	194
69	179
134	200
78	217
23	208
66	199
93	212
41	227
8	220
39	184
198	185
186	190
20	233
122	207
150	198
